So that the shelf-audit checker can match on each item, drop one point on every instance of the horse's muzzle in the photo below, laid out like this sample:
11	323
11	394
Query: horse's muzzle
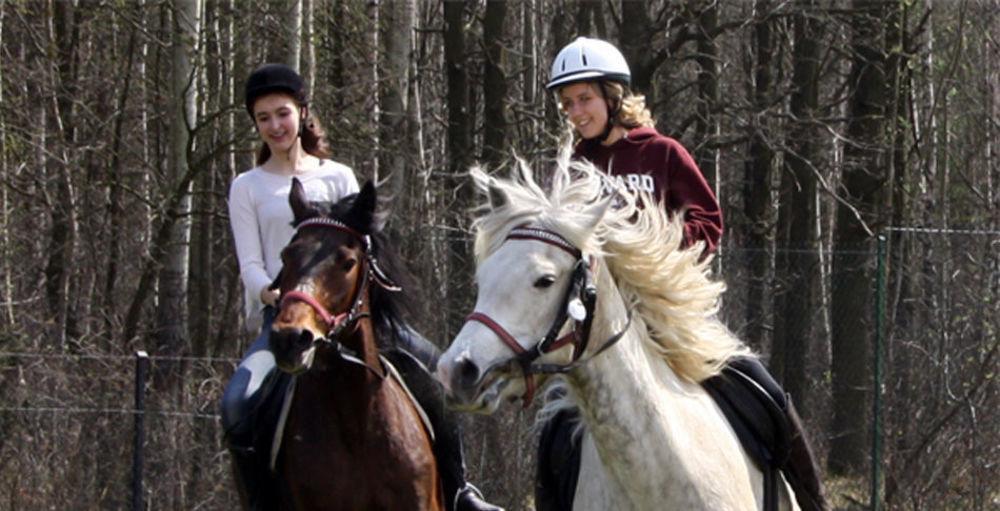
288	344
471	388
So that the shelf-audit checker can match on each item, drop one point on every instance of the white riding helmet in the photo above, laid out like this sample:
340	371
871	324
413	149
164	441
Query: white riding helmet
588	59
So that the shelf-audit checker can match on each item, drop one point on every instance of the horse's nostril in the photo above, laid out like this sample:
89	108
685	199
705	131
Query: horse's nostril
305	338
467	373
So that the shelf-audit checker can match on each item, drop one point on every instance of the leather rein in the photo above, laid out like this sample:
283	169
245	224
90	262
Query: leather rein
337	324
578	305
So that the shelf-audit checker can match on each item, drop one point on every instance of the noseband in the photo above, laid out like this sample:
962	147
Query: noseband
337	324
578	304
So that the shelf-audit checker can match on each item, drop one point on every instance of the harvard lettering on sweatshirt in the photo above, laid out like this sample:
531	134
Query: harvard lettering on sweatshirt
647	161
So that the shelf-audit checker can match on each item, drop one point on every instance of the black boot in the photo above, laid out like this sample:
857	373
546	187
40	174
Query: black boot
459	495
802	470
470	499
248	435
558	468
253	480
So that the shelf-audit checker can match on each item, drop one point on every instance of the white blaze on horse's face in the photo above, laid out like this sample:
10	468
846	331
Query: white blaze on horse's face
521	287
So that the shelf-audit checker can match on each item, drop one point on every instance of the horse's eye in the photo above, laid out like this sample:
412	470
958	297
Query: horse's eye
347	263
545	281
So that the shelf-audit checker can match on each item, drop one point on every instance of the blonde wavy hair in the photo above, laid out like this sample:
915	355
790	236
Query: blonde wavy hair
633	112
675	300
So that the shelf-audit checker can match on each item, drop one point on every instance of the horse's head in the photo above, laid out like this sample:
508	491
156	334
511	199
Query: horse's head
535	302
324	275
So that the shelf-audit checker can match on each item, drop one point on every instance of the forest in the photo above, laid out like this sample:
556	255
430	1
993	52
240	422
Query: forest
854	146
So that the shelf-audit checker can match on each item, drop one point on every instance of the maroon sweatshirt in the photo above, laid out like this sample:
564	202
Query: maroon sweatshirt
646	160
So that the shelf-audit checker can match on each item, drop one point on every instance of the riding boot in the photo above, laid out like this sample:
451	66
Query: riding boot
558	467
459	495
796	459
802	468
249	426
253	479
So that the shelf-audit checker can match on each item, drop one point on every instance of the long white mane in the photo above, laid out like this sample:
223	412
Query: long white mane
674	299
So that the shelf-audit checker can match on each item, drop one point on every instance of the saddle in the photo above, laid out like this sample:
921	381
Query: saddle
763	417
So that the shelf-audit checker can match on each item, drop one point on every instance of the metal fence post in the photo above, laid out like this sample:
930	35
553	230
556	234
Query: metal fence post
877	373
139	439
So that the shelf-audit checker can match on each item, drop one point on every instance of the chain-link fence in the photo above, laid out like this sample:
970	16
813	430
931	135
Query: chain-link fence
68	421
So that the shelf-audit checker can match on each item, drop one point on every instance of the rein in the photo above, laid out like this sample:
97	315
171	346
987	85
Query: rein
337	324
578	304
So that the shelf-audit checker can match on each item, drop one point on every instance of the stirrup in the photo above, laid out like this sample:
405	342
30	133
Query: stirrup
468	487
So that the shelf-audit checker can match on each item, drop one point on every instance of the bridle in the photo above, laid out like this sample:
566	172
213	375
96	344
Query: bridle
337	324
578	305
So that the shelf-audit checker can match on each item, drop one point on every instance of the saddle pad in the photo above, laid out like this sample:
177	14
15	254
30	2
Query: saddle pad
754	413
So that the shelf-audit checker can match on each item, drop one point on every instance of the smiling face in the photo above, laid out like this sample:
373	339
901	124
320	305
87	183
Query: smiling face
585	107
277	117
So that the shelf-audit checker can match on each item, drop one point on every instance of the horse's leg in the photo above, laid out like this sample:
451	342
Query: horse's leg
447	433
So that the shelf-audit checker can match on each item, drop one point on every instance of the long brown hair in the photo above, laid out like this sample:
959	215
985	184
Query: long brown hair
313	137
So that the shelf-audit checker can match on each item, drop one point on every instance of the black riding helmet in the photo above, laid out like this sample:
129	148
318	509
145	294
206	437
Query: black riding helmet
270	78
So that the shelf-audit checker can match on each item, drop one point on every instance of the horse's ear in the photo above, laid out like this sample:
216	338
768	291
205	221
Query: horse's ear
363	209
299	202
495	195
498	198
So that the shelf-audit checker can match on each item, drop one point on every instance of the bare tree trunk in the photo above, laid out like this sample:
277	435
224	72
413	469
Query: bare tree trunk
200	275
559	36
797	227
864	171
707	124
635	37
459	154
63	233
375	113
293	34
229	330
172	314
529	55
115	195
7	294
757	194
584	17
309	50
494	83
398	20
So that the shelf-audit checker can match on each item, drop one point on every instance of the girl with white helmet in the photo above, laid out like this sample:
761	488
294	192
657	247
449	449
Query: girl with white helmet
591	80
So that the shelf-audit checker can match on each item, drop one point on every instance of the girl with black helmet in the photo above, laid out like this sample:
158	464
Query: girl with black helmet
591	80
294	145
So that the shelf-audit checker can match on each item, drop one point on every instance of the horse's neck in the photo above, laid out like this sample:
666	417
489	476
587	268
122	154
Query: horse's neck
660	439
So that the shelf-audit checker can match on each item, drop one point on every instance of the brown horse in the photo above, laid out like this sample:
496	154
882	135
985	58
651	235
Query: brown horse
353	438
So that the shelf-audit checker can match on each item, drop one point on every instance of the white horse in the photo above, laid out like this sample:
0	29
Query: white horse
654	439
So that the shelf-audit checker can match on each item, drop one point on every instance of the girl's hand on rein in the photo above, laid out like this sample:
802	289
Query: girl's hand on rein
269	296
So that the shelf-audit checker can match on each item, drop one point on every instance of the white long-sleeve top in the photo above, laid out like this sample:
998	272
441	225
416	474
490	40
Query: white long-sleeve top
261	219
